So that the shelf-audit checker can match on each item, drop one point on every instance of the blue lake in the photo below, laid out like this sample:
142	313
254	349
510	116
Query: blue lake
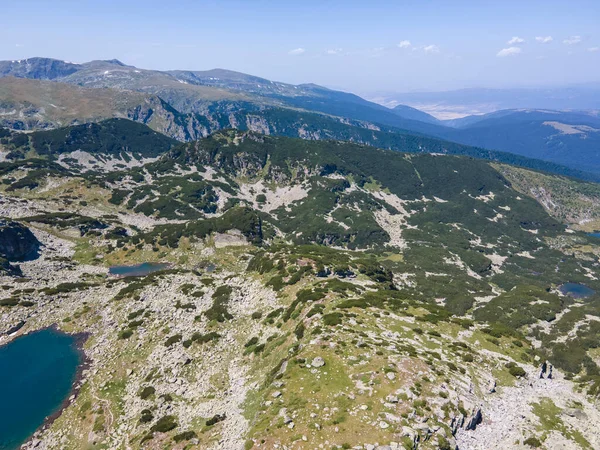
596	235
37	372
138	270
576	290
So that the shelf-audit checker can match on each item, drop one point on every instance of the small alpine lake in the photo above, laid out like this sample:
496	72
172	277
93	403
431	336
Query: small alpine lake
137	270
36	377
576	290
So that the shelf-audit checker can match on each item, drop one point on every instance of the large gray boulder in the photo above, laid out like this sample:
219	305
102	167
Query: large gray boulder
17	242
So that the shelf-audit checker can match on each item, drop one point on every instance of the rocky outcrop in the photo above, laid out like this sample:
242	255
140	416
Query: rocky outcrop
474	419
457	423
17	242
546	370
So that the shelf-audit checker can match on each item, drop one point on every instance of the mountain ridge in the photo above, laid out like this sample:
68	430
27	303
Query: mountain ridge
16	147
201	102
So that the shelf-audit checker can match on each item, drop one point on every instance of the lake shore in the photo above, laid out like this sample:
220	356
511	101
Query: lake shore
84	364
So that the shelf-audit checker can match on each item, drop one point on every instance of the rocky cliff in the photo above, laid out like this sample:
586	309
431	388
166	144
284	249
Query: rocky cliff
17	242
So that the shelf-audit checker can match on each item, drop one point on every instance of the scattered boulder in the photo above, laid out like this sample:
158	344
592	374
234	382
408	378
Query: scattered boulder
318	362
392	399
575	412
15	328
546	370
543	369
491	386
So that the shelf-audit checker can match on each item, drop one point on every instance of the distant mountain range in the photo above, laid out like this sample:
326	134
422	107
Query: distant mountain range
40	93
481	101
571	138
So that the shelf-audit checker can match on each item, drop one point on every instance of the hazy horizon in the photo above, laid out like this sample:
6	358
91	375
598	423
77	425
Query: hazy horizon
381	47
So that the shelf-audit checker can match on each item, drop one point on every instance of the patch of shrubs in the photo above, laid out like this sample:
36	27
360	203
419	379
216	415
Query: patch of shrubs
317	309
201	338
164	424
147	392
218	310
11	301
515	370
216	419
125	334
299	331
146	416
173	340
332	319
65	287
185	436
532	442
135	314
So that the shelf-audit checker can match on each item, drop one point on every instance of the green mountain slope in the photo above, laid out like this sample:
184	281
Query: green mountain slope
110	137
415	114
89	146
317	293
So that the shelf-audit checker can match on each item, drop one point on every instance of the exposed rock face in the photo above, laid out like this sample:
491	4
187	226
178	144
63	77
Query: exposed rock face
457	423
38	68
17	243
474	419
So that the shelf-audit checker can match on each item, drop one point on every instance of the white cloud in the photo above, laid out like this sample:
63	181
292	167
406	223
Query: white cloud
296	51
544	39
572	40
516	40
431	49
334	51
404	44
594	49
508	52
376	52
19	45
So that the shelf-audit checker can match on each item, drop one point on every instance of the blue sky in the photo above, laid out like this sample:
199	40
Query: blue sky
360	46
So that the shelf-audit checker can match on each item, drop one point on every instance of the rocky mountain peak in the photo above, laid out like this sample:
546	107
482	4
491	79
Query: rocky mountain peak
38	68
